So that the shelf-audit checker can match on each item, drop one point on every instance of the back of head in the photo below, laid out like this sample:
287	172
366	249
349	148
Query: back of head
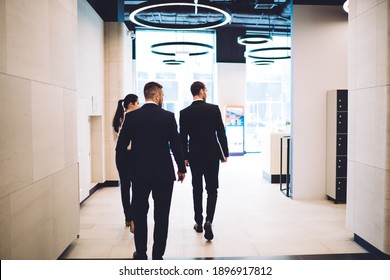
130	98
150	89
196	87
121	108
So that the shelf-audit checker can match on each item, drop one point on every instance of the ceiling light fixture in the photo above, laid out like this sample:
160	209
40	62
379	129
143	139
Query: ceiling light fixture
192	48
346	6
173	62
136	18
253	39
271	53
262	62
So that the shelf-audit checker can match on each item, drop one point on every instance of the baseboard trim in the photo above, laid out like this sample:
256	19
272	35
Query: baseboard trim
274	178
108	183
370	248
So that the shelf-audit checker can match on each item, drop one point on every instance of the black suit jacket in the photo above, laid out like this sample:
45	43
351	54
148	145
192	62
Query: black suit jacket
153	134
201	128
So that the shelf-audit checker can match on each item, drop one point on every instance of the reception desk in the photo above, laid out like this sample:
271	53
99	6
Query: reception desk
271	156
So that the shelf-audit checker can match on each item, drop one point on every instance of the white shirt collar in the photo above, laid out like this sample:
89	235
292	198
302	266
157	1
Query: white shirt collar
151	102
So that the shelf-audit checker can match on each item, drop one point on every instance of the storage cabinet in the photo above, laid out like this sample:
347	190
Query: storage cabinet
336	145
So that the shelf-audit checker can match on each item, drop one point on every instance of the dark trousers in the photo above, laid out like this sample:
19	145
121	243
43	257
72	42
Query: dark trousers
123	165
209	169
162	196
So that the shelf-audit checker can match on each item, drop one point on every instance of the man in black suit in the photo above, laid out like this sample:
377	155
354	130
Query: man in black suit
202	133
152	132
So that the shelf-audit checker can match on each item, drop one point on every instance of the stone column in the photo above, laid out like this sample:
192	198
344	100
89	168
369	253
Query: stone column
118	68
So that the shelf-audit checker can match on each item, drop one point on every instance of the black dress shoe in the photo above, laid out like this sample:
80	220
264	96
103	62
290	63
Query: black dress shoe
208	231
198	228
137	256
157	258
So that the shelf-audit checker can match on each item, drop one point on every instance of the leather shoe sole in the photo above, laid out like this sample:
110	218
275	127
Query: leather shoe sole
208	231
198	228
137	256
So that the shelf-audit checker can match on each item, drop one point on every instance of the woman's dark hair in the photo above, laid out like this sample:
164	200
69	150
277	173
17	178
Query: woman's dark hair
120	110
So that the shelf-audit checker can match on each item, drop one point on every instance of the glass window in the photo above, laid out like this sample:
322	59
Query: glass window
176	79
268	96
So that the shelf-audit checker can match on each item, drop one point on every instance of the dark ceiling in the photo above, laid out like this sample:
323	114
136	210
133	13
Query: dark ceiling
248	17
273	16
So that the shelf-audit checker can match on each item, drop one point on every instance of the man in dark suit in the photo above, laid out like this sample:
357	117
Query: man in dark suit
205	144
152	132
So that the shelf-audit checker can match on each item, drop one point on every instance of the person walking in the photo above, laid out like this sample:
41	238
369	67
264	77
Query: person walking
153	135
126	105
204	140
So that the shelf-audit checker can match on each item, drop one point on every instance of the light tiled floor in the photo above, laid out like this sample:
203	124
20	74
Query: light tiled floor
253	219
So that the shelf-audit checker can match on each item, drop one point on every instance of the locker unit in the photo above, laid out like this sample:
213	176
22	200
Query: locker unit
336	145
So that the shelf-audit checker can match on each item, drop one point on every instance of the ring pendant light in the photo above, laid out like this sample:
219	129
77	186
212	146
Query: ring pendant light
262	62
253	39
269	53
135	18
199	48
173	62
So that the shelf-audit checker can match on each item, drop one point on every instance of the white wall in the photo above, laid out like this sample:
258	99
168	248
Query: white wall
319	63
91	87
231	84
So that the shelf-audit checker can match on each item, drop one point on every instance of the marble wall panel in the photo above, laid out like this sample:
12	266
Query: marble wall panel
84	145
114	33
372	128
364	6
48	129
97	149
66	208
366	45
62	46
352	53
32	224
5	228
382	45
3	42
111	170
350	205
70	127
352	115
16	157
27	38
70	5
371	196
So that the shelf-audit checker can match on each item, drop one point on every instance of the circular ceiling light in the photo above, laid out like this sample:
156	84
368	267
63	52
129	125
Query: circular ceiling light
253	39
270	53
262	62
346	6
192	48
135	17
173	62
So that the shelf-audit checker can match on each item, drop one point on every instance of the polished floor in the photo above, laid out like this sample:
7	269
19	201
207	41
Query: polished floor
253	220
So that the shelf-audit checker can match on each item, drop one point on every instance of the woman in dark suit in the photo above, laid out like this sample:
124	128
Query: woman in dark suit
153	135
128	104
204	141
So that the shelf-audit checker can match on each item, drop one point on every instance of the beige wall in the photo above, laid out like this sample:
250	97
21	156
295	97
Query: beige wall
368	197
319	64
118	83
39	214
